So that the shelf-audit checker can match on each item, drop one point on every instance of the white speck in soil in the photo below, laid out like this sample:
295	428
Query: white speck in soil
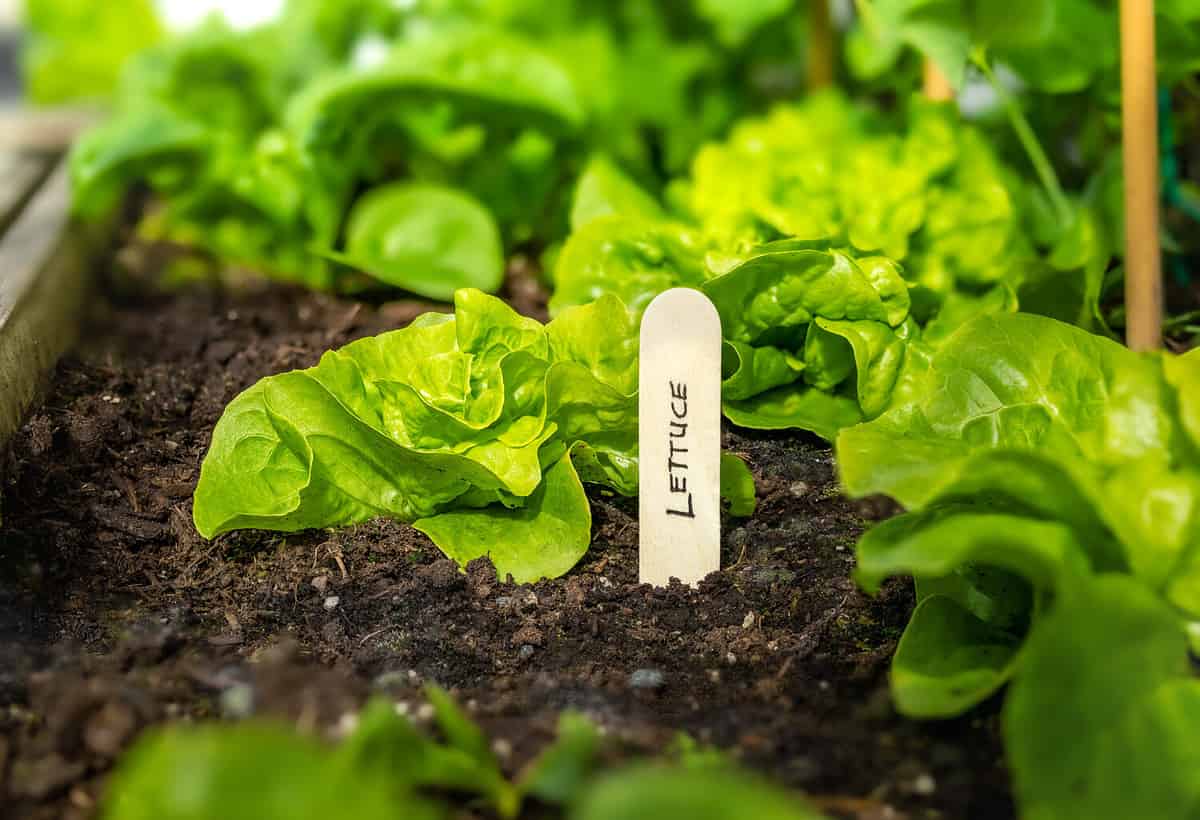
748	621
924	785
798	489
425	712
646	679
346	724
237	701
502	748
393	679
525	652
331	602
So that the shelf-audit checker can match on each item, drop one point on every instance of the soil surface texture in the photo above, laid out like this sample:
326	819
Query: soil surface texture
115	616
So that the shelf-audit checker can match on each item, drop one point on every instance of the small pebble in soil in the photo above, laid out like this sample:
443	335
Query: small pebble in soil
798	489
502	748
425	712
646	679
394	679
346	725
525	652
320	582
748	621
331	602
237	701
107	731
924	784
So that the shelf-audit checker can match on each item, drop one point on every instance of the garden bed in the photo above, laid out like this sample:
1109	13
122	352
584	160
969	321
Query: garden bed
119	616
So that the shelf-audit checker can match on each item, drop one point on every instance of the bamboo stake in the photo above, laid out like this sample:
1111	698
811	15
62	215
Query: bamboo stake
937	87
1139	143
820	45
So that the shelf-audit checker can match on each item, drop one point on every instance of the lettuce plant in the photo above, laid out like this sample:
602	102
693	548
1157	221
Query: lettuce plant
479	428
1053	483
833	288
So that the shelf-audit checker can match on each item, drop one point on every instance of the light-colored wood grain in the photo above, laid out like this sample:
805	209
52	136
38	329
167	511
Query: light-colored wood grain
1139	135
44	280
679	439
20	173
45	130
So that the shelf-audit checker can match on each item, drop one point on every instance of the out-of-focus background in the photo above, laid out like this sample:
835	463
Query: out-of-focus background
177	14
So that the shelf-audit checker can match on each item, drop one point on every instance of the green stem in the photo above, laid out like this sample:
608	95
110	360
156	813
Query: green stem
1029	141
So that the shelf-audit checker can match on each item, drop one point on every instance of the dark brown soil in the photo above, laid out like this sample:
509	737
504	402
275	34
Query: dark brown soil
115	615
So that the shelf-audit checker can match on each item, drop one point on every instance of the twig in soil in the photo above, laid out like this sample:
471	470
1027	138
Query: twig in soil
811	636
195	561
741	557
333	552
371	635
127	487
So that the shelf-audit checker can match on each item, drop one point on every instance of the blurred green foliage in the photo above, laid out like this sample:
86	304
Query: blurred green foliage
75	50
388	769
260	142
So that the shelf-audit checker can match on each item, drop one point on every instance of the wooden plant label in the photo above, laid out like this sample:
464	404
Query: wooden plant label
679	439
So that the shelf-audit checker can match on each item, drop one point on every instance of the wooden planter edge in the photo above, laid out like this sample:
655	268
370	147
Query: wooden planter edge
47	261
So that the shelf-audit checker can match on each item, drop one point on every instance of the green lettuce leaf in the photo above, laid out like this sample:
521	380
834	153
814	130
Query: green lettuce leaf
700	794
543	538
245	772
748	370
735	20
1103	718
774	291
427	239
737	486
1014	381
627	257
153	142
788	408
604	189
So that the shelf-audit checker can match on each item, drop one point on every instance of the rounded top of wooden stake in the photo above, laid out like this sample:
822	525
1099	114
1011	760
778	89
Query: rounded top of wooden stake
688	304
